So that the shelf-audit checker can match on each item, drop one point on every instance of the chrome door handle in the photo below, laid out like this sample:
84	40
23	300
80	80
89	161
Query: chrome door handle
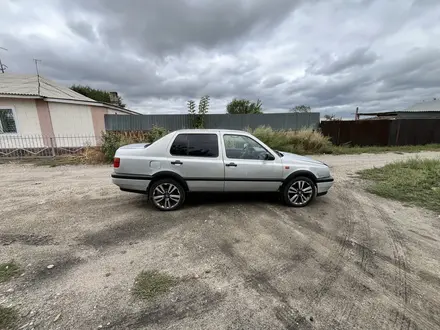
231	164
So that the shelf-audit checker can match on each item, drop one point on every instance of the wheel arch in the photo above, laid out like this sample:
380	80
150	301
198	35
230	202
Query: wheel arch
166	175
299	173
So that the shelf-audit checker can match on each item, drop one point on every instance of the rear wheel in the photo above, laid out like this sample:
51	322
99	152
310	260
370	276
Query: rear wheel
299	192
167	194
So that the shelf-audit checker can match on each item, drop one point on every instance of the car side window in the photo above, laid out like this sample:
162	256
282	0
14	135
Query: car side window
195	145
180	145
243	147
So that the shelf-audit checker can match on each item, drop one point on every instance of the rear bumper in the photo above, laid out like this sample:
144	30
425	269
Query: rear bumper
324	185
132	183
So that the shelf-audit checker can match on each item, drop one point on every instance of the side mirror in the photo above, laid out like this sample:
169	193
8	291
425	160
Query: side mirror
269	157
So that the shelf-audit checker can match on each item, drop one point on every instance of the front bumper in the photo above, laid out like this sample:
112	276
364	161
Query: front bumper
324	185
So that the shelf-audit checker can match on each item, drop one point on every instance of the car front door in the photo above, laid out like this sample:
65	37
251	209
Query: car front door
198	159
249	166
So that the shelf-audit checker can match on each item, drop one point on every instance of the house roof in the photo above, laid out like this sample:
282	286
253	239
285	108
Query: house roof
27	85
428	106
433	105
14	85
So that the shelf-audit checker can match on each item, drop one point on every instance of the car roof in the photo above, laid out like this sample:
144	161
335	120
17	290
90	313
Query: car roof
212	130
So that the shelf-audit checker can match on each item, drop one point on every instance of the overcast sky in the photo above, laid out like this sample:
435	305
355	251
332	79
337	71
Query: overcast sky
333	55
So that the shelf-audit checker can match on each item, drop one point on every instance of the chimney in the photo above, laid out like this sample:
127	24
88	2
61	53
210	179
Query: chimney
114	98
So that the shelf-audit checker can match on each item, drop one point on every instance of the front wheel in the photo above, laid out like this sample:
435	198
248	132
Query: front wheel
299	192
167	194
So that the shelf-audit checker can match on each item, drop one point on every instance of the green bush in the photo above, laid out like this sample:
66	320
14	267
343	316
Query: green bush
304	141
112	140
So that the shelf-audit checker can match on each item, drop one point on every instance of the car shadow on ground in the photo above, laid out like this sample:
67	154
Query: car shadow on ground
199	199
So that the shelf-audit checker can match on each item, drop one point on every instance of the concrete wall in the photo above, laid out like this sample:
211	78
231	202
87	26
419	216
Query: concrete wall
72	124
26	121
38	121
26	116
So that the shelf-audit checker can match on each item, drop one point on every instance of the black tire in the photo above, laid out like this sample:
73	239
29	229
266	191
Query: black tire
306	192
169	189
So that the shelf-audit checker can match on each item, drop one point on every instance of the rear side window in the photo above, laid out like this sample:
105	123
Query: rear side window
195	145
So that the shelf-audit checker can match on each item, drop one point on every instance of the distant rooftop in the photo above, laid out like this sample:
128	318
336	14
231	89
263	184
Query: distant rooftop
27	85
433	105
15	85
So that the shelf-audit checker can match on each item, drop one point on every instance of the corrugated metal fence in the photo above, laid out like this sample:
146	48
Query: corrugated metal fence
226	121
383	132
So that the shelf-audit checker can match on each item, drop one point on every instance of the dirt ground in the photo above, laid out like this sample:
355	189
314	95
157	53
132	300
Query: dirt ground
350	260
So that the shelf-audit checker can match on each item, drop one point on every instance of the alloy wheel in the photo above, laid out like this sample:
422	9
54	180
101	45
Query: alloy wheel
166	196
300	192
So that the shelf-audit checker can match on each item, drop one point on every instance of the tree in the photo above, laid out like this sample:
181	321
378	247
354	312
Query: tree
198	119
331	117
96	94
243	106
301	109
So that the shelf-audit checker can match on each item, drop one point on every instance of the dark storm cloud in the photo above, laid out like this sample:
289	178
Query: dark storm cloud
332	55
83	29
163	27
357	58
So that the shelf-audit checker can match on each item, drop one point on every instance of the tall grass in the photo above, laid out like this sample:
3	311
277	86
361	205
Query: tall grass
305	141
414	181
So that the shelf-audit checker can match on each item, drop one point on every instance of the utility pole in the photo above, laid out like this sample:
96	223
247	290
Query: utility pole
2	66
38	74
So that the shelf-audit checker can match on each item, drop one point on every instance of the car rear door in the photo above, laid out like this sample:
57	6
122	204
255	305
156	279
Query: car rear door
197	157
245	171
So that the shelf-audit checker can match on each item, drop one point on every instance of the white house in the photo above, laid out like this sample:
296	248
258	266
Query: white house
36	112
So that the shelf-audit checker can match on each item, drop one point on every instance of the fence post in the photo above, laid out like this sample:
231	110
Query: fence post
398	132
339	133
52	146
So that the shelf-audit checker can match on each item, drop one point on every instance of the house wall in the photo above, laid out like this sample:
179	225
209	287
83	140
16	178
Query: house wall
72	124
26	121
43	124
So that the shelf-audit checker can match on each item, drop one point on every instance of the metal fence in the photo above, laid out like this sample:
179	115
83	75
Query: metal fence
392	132
30	146
226	121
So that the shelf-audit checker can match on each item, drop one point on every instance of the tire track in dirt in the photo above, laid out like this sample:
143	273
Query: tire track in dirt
290	317
405	317
401	288
336	256
260	281
351	308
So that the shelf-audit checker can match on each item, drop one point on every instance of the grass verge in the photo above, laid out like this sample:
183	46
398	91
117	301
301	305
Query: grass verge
346	150
149	284
8	270
8	318
414	181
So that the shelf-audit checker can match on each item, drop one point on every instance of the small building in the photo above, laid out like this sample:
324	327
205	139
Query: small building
32	106
422	110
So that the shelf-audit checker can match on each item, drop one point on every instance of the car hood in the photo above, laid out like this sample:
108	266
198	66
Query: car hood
294	158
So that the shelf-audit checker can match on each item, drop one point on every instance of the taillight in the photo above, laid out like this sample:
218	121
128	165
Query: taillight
116	162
